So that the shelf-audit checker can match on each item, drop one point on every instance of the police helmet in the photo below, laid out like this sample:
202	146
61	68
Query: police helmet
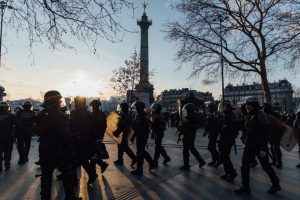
224	106
212	107
267	107
95	103
156	108
4	106
139	106
253	101
189	108
52	96
80	102
124	106
27	105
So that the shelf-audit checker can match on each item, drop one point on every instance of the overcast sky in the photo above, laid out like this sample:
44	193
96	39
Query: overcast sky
83	73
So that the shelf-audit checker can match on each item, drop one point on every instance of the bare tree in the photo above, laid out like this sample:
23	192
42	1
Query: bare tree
248	35
127	77
55	20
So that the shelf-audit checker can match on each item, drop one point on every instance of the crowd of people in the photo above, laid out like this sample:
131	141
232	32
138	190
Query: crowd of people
67	142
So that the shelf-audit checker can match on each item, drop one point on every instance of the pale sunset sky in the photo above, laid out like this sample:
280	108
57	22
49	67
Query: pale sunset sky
83	73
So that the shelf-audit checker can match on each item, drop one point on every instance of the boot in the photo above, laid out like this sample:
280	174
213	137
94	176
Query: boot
167	159
243	191
224	176
137	172
201	164
274	189
119	162
231	177
92	179
279	165
103	167
212	163
185	168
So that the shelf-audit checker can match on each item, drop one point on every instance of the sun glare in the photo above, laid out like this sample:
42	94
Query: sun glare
80	87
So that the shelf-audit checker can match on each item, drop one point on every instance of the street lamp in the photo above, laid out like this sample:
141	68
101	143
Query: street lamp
3	5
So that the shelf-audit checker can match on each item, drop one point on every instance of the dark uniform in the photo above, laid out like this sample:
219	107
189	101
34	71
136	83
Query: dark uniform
123	126
7	124
188	129
82	132
296	125
99	131
256	144
229	131
274	136
26	118
212	128
141	128
158	126
55	146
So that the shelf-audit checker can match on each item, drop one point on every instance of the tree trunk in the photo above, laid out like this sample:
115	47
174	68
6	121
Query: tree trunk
265	83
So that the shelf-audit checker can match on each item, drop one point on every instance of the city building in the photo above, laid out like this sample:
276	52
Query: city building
281	92
169	98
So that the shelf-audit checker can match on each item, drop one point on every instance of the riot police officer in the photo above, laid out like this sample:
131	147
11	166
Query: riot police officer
212	128
7	124
296	125
158	126
82	133
55	146
274	135
188	128
26	118
123	126
141	128
256	144
229	131
99	131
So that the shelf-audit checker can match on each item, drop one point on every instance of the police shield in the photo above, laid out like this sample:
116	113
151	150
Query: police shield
112	125
290	136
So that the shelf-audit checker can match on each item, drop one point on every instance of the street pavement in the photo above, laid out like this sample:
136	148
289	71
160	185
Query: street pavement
165	182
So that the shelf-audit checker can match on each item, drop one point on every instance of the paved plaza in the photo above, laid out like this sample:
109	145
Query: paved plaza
165	182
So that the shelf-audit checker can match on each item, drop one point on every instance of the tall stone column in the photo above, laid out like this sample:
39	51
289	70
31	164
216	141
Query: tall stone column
144	85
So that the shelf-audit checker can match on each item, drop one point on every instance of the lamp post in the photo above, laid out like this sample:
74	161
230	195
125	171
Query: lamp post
3	5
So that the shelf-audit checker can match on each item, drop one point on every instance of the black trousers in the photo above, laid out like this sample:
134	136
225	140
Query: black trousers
141	153
225	149
276	153
6	147
159	149
50	161
23	145
212	147
124	148
189	146
249	153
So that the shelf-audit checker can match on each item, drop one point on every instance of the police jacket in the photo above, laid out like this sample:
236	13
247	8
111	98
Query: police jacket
123	124
212	125
190	124
99	124
53	131
81	125
256	130
229	128
141	125
158	125
26	119
7	123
